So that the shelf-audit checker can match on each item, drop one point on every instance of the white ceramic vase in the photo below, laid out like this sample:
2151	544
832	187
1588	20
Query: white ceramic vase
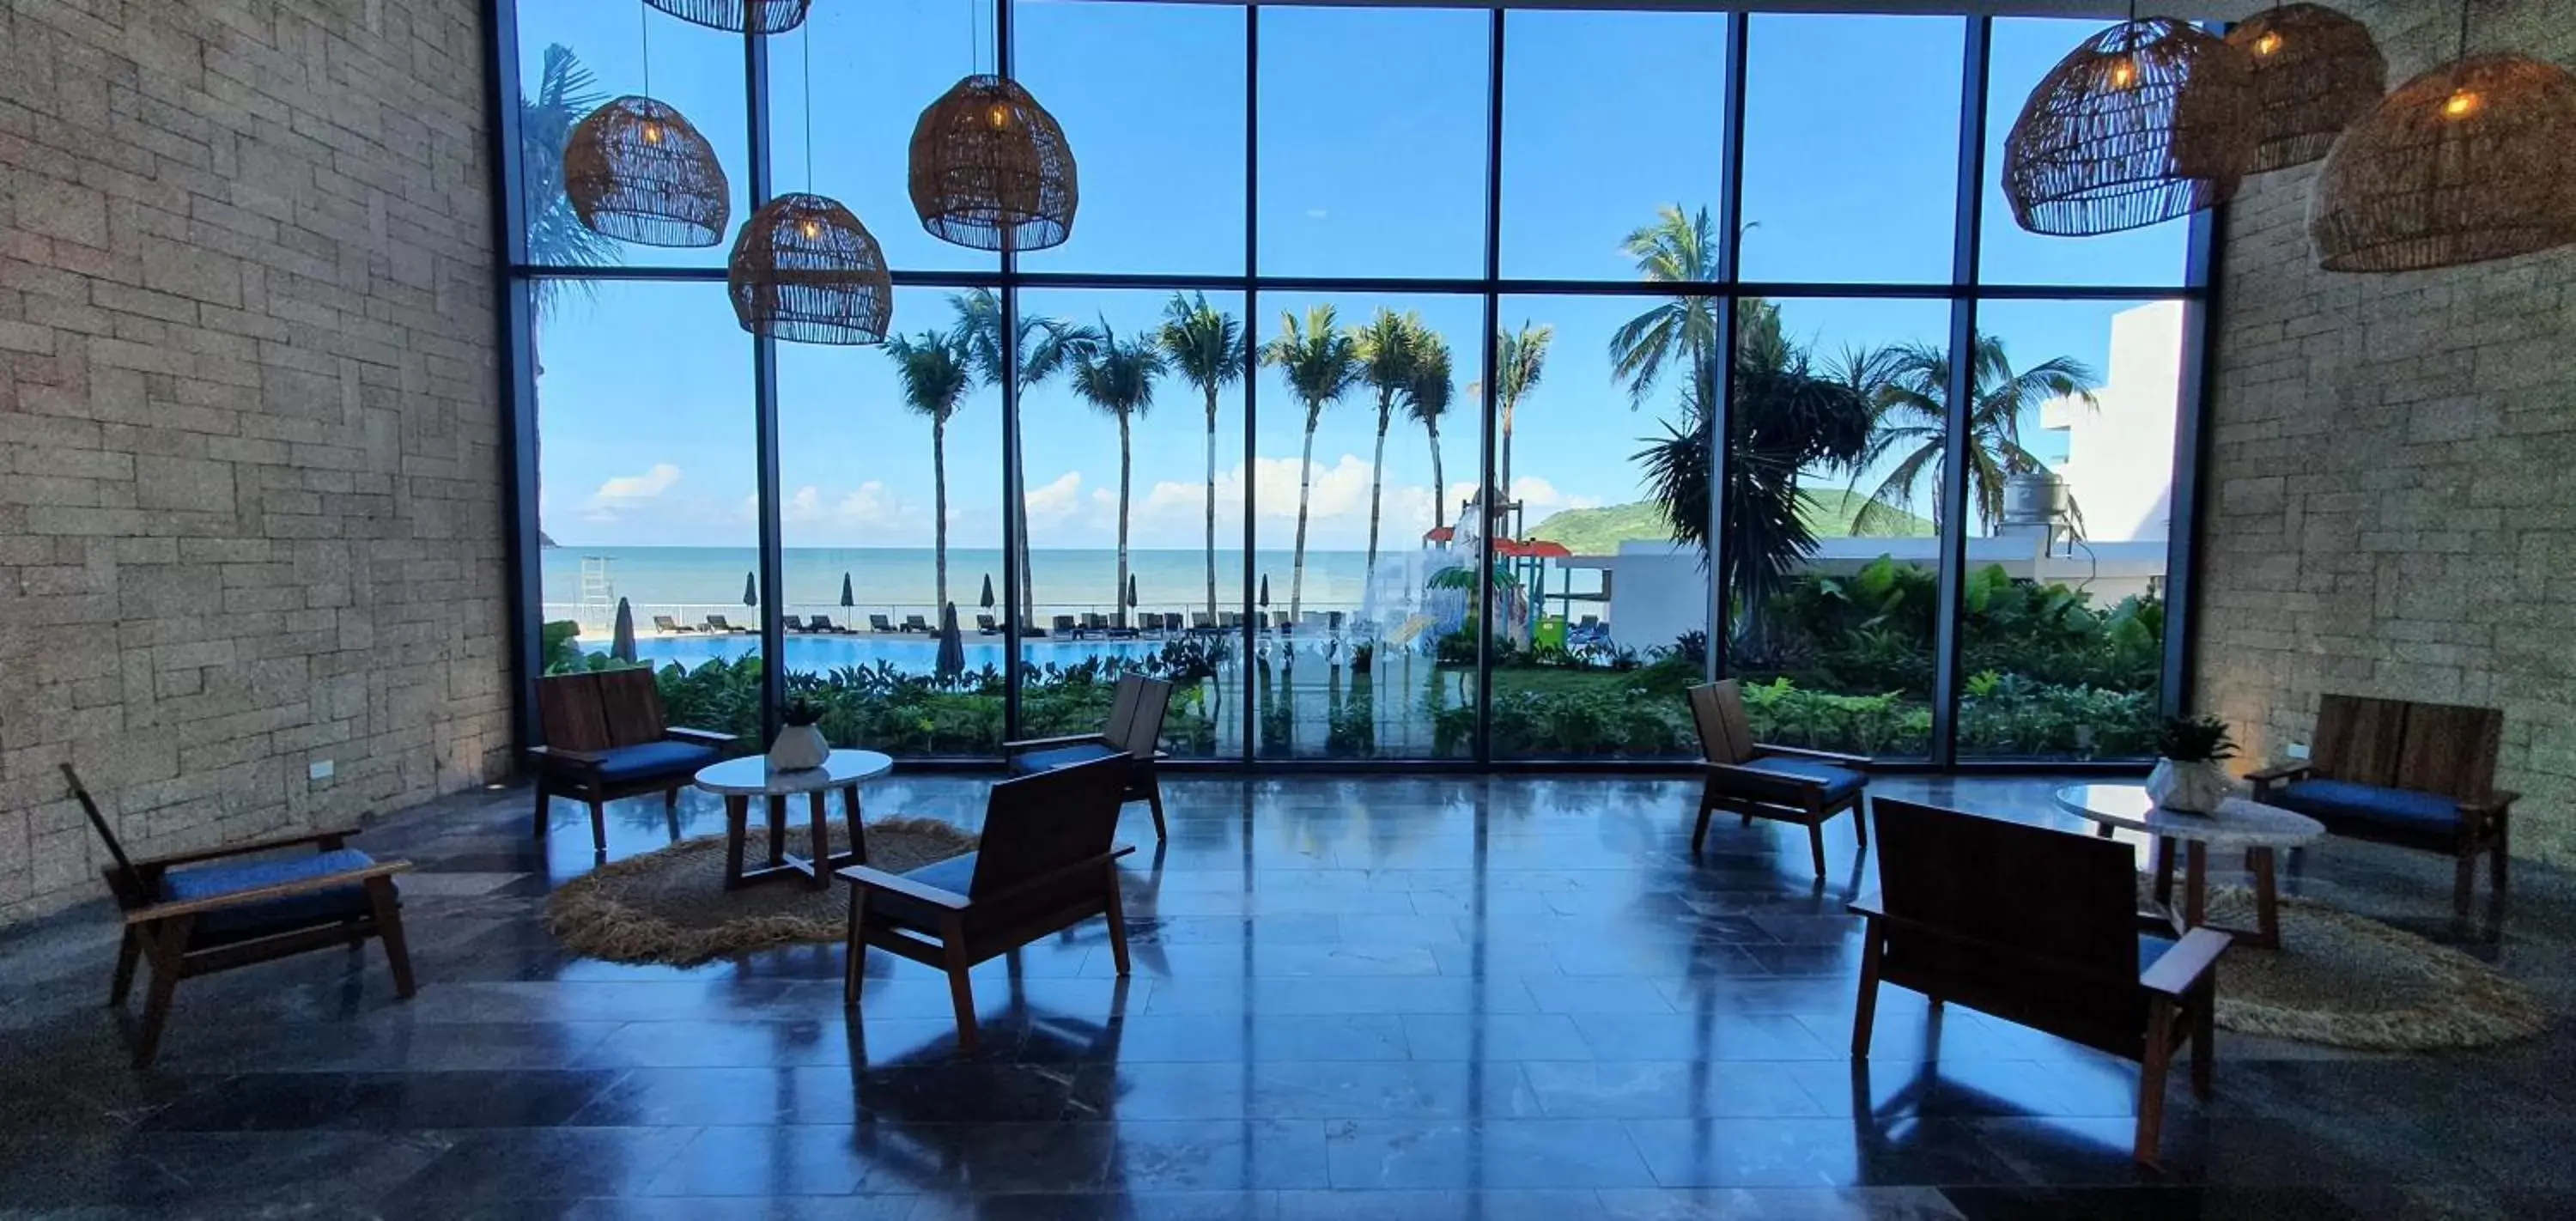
2192	788
798	747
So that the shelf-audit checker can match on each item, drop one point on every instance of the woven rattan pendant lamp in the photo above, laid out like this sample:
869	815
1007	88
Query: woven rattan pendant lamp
2474	160
804	269
2315	71
991	169
2144	122
739	16
637	171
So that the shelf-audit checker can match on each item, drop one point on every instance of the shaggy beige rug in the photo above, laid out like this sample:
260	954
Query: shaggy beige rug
670	906
2346	981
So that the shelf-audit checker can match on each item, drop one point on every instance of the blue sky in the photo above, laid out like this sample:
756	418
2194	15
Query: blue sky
1372	163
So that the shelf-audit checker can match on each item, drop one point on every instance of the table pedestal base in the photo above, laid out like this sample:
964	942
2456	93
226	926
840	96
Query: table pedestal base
2266	933
782	863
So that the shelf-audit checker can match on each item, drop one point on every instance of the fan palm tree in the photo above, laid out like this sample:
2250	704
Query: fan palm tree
566	91
1204	346
1519	358
1389	349
1426	400
1117	377
1678	332
935	377
1908	385
977	335
1786	418
1320	362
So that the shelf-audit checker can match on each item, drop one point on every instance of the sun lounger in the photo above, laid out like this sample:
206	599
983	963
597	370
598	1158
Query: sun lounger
1230	620
1064	623
985	626
669	626
823	623
1279	620
915	623
1587	623
794	624
1201	621
1094	621
880	623
716	623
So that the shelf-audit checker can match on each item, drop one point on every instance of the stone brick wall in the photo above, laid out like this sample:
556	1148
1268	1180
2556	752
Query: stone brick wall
2393	472
250	489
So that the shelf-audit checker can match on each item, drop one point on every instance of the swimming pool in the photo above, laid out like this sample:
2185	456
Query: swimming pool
919	653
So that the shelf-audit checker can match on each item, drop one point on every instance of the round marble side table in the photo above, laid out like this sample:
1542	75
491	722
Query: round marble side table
2238	824
740	780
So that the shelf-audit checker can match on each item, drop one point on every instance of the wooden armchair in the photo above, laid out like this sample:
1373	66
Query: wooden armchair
2399	772
2039	928
1134	734
606	739
1758	780
1047	861
194	913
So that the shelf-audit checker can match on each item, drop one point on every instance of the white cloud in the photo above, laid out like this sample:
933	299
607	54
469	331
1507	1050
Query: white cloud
1316	213
626	489
1056	499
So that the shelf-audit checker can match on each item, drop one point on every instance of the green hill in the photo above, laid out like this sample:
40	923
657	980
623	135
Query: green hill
1600	531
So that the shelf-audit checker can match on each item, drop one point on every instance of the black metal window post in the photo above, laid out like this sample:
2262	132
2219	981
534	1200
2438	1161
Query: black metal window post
1493	503
1015	598
515	317
1719	395
2190	457
764	393
1966	246
1249	678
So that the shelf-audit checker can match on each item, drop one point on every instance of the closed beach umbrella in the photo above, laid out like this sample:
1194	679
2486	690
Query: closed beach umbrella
1265	589
621	645
846	599
952	647
750	591
988	591
1131	589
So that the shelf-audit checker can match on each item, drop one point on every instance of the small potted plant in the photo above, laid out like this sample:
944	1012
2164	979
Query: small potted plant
800	744
2190	774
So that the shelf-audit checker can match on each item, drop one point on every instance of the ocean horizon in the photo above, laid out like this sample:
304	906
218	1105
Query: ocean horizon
902	580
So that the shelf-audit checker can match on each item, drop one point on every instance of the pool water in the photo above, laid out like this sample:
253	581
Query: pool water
916	654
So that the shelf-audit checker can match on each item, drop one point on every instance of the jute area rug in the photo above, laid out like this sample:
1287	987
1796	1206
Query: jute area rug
670	906
2346	981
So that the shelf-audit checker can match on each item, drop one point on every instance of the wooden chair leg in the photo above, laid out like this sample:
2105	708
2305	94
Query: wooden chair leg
598	826
854	962
2496	867
388	909
1816	845
961	993
1154	802
128	951
1860	821
545	800
1117	921
2151	1081
2464	880
1865	1009
2204	1044
167	946
1699	833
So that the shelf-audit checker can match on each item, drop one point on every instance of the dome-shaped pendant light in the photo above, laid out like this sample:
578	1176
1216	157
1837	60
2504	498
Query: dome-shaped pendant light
2315	71
804	269
635	170
2474	160
739	16
991	169
2144	122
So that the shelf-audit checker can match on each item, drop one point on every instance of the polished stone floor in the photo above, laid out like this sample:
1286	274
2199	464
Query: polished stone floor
1412	998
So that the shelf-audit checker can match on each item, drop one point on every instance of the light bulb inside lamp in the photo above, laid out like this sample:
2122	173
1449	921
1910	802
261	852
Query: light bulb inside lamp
2461	104
2269	43
652	133
999	116
2123	74
810	230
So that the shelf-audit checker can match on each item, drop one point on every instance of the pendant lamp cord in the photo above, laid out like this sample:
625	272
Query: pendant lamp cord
644	35
2464	30
808	41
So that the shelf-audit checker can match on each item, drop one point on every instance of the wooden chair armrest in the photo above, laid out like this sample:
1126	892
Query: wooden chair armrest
1868	907
1820	756
1053	876
2496	801
702	737
2265	777
878	879
566	755
317	838
1073	739
1760	776
2184	966
190	907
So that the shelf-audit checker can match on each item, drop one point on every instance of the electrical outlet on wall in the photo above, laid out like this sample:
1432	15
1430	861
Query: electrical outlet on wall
2298	751
319	769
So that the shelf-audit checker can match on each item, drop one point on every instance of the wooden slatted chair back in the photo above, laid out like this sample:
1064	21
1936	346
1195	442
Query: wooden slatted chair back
1037	825
600	709
1136	718
2448	749
1725	732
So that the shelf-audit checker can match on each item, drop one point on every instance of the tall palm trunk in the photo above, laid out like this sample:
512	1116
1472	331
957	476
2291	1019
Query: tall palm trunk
1305	483
1439	489
1126	467
939	507
1019	509
1377	483
1506	472
1211	504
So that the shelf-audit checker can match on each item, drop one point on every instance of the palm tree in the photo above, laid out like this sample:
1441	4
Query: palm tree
1908	385
1389	350
977	335
1118	378
1786	418
1205	346
1519	358
1426	400
1320	362
1682	330
935	377
566	91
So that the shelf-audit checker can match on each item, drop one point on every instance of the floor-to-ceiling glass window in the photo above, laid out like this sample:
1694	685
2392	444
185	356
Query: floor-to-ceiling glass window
1535	255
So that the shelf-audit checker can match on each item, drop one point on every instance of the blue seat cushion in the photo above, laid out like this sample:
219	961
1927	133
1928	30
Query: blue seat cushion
2406	813
1798	774
1050	759
646	760
293	911
956	875
2152	947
